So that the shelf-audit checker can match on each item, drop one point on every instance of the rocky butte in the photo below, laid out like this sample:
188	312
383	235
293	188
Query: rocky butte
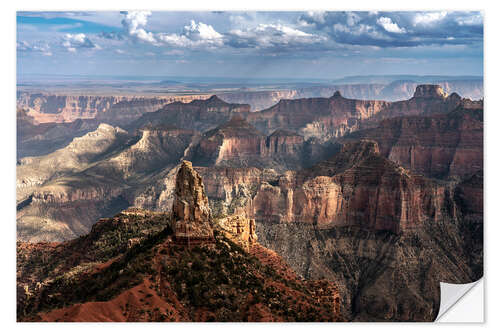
192	220
191	214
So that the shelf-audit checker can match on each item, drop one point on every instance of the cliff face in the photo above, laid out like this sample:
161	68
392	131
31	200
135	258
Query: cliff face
329	118
440	145
392	91
56	108
259	100
117	110
386	235
200	115
125	112
79	153
238	144
191	214
322	118
358	187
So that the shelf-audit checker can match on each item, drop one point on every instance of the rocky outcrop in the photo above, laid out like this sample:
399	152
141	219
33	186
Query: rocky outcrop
429	91
238	144
34	139
131	268
428	99
64	108
191	214
125	112
116	110
235	142
322	118
240	230
386	235
329	118
157	148
259	100
357	187
200	115
441	145
392	91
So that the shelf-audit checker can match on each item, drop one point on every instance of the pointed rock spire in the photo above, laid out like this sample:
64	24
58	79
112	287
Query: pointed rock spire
191	213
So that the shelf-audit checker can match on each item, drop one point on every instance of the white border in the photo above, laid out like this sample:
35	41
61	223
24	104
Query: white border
7	132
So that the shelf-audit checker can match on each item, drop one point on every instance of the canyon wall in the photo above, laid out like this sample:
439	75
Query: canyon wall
47	108
394	91
441	145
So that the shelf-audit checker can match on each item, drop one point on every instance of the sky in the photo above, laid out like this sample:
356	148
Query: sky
313	45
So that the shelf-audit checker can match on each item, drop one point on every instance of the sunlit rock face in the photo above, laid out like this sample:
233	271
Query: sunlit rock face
191	214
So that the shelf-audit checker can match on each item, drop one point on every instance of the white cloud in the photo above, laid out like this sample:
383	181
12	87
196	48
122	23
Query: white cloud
390	26
134	23
193	35
201	31
39	47
476	19
317	16
271	35
72	42
428	18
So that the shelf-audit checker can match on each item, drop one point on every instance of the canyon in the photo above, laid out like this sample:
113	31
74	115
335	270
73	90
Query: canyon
175	266
383	199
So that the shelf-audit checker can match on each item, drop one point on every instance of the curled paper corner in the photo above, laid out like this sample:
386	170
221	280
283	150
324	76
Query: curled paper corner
461	302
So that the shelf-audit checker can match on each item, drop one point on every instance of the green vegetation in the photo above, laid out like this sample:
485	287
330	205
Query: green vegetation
221	279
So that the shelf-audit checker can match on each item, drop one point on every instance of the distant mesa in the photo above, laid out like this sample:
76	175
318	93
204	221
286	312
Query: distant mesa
429	91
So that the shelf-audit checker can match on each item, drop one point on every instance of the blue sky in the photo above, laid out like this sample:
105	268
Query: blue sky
322	45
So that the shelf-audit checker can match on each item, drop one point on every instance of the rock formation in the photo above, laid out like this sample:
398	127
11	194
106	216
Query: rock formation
240	230
191	213
237	143
388	91
116	110
199	115
357	187
440	145
329	118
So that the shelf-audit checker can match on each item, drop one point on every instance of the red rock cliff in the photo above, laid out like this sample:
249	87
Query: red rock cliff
357	187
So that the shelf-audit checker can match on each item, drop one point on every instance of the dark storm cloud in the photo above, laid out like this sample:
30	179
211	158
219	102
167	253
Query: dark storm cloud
397	29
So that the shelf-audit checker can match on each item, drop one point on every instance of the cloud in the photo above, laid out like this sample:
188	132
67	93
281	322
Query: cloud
429	17
112	35
134	23
37	47
193	35
390	26
196	34
397	29
271	36
72	42
470	20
